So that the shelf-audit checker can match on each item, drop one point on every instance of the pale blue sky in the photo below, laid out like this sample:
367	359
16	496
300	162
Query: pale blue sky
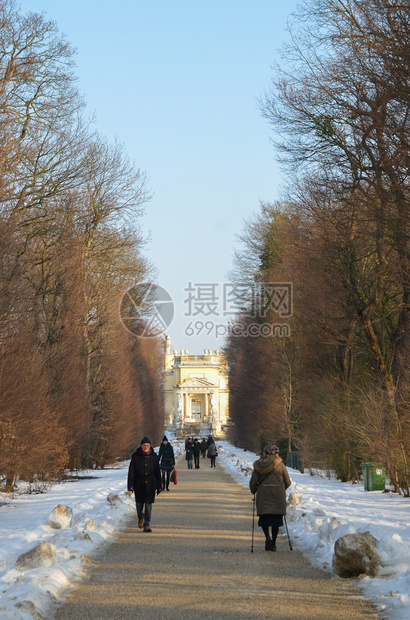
177	82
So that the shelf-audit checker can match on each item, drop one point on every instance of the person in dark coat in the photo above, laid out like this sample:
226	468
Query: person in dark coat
188	442
166	462
269	481
212	452
203	447
189	455
196	449
144	478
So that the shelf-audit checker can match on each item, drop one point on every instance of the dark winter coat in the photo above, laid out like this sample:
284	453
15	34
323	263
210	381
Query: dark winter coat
269	481
212	449
196	448
166	457
189	454
204	446
144	475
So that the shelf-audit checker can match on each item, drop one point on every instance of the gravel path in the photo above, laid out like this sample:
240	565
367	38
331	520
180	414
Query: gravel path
197	564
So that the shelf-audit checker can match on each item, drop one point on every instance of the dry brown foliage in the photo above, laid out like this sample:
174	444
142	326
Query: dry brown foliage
75	387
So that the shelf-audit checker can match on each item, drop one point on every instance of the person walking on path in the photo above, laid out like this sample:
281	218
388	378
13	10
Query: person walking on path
203	447
144	478
269	481
212	452
166	462
189	455
196	449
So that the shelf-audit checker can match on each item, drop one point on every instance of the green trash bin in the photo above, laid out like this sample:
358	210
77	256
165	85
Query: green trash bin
365	471
295	460
374	476
377	477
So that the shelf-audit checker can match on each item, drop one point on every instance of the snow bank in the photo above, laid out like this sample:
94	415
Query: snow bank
28	593
329	509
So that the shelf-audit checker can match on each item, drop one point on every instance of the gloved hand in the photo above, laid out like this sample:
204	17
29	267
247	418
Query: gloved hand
159	491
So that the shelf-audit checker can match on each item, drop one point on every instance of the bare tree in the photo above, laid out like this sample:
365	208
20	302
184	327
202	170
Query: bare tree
70	245
341	100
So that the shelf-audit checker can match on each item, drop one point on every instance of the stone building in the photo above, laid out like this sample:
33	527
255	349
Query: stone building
196	392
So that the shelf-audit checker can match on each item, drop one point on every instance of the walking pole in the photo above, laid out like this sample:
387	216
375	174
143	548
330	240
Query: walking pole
253	521
287	531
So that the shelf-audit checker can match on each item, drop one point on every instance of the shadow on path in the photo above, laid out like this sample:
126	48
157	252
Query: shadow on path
197	564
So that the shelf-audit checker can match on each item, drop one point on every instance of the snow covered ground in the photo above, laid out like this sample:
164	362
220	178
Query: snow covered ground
327	509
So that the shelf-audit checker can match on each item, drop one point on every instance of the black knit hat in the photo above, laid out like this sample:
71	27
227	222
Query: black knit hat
146	440
165	438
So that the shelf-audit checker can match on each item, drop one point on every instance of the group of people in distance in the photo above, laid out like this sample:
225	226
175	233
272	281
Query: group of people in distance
194	448
149	474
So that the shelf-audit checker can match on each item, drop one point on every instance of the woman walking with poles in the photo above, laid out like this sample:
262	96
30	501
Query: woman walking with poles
269	481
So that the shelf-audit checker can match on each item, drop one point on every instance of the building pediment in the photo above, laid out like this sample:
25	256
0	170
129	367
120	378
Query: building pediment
196	382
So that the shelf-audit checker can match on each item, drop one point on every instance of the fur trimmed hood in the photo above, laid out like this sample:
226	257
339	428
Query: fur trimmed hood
269	481
267	463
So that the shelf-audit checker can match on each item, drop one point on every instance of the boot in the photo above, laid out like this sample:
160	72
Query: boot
268	544
275	531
